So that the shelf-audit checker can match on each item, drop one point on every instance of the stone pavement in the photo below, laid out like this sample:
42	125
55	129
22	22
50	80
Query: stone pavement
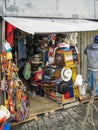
65	119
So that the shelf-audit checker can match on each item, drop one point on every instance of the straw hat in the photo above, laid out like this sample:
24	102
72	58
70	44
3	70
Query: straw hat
66	74
36	58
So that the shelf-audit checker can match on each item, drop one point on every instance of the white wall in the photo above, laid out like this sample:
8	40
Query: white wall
51	8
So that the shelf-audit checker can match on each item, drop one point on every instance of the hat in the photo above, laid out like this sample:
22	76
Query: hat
36	58
96	38
63	87
59	60
66	74
63	45
50	71
45	39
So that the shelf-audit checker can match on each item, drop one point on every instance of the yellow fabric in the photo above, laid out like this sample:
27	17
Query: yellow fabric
9	56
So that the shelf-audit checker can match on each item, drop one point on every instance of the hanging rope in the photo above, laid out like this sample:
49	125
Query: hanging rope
90	109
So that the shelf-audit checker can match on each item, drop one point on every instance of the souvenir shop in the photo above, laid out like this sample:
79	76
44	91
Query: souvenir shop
39	71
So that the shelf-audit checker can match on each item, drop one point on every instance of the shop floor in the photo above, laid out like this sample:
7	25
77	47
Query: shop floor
43	105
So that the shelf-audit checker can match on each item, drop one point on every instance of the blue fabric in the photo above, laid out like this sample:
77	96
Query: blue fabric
46	56
71	91
95	38
92	76
92	56
7	126
22	52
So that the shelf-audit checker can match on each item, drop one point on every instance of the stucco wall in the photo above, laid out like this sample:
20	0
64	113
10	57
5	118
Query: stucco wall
50	8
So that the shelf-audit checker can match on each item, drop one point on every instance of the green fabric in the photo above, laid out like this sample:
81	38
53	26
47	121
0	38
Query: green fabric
27	71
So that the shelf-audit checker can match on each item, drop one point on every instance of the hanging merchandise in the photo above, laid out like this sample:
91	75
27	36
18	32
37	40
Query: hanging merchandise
52	48
27	71
10	34
5	112
51	55
73	40
3	85
4	60
22	52
67	56
38	75
13	88
64	46
7	46
59	60
16	104
75	55
9	56
53	38
78	80
71	90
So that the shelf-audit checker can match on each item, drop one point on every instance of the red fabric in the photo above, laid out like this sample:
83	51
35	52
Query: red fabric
67	95
2	121
2	127
9	30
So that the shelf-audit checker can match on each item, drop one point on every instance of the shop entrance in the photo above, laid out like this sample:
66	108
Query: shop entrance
41	80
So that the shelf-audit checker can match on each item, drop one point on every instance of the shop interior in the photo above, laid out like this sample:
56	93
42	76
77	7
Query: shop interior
38	71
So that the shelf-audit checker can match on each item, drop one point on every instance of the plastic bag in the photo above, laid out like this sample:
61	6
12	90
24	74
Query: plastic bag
4	112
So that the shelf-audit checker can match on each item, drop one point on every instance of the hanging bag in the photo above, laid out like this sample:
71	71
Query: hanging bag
27	71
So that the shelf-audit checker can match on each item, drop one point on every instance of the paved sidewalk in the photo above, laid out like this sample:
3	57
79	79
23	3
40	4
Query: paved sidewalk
65	119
